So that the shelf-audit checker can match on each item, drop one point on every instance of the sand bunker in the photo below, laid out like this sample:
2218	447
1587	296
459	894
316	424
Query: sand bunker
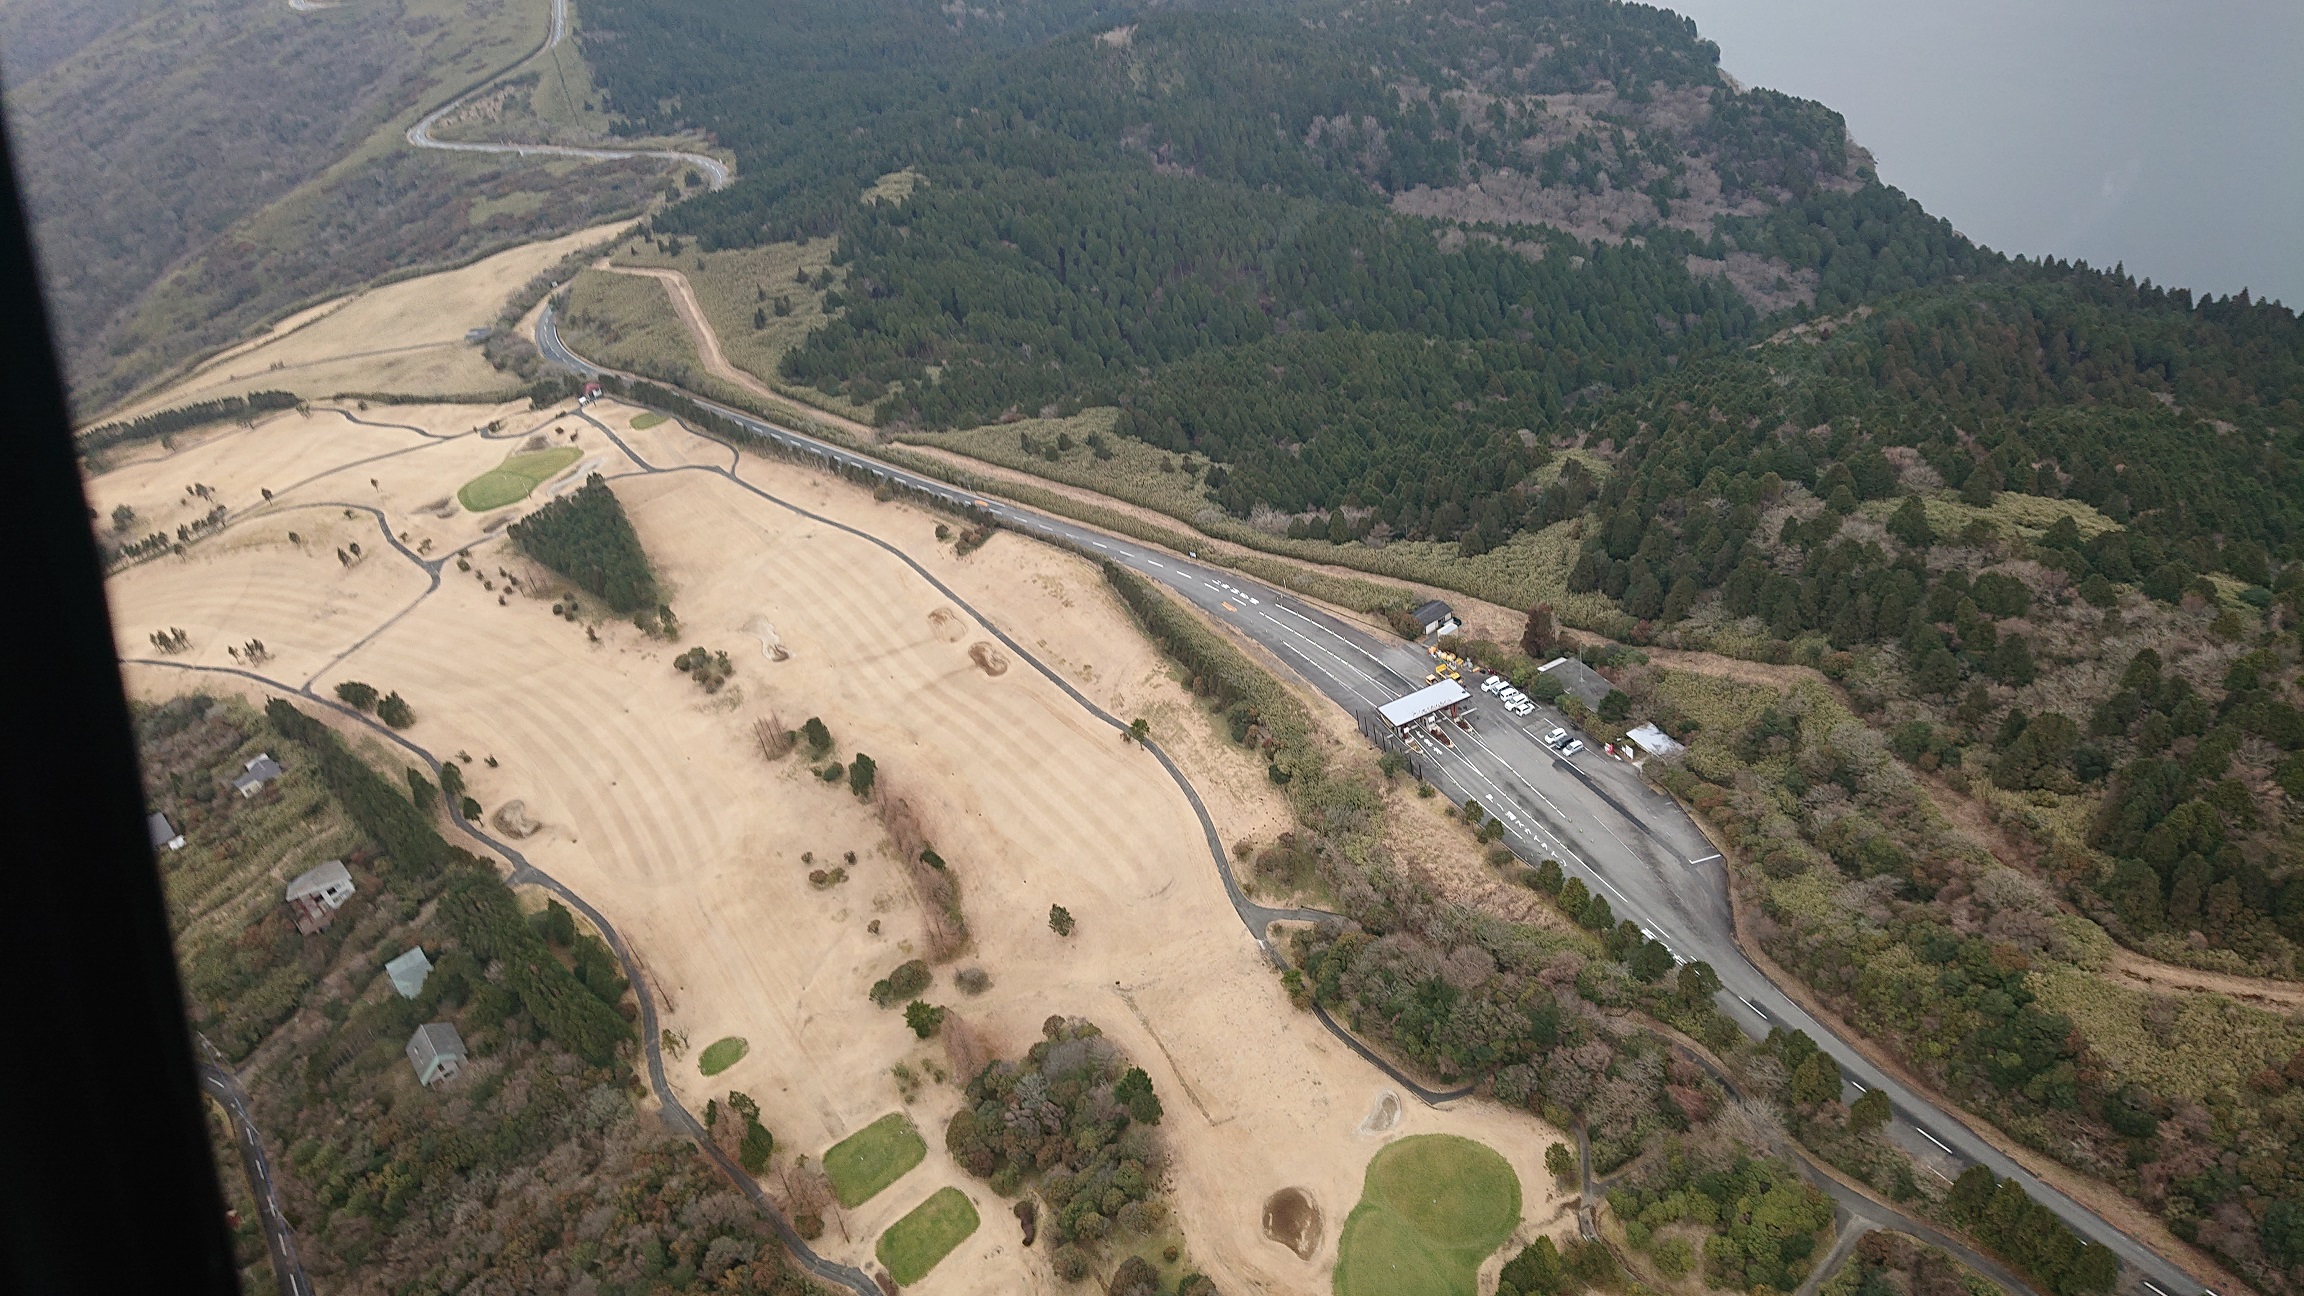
771	647
1384	1115
947	624
991	659
511	819
1291	1220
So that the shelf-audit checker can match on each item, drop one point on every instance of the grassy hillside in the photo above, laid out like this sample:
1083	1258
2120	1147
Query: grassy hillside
195	170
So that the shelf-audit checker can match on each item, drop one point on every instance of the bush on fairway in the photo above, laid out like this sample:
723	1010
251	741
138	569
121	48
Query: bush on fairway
1431	1209
721	1054
912	1245
872	1158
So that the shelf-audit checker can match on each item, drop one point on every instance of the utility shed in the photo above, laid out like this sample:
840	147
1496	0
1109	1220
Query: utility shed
1582	682
437	1053
1402	712
1436	617
164	834
408	972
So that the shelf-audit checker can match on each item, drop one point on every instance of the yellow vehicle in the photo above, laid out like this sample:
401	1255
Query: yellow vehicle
1432	677
1449	672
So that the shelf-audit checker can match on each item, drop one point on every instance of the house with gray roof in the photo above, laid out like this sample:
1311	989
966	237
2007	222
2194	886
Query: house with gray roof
1436	617
316	895
164	834
437	1053
256	774
408	972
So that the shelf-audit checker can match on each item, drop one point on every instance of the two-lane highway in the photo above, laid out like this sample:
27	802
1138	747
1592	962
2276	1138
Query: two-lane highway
1597	816
279	1240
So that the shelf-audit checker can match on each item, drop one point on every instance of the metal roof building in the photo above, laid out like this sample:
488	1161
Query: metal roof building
437	1052
260	771
1436	617
1401	712
408	972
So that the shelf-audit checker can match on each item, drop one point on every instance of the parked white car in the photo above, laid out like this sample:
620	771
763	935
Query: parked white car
1555	737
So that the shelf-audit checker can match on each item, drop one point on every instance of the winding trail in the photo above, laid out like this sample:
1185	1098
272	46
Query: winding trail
420	135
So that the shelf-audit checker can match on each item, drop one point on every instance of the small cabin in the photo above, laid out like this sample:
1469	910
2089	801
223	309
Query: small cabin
163	833
437	1053
316	895
255	774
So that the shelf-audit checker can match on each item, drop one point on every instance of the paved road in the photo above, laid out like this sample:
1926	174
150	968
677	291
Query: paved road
715	171
1598	816
279	1239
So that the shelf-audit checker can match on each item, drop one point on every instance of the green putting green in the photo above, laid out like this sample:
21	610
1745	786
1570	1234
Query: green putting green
721	1054
510	481
872	1158
1431	1209
641	422
912	1245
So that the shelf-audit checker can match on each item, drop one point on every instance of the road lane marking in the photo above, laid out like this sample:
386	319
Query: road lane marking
1923	1132
1706	860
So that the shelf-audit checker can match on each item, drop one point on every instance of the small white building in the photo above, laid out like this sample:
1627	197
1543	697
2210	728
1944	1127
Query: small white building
317	894
258	772
437	1053
164	834
408	972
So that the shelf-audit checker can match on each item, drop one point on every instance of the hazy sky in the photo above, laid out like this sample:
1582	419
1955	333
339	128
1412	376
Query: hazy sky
2169	136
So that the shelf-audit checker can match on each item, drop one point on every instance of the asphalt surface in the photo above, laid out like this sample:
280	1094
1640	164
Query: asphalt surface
1597	815
420	135
279	1239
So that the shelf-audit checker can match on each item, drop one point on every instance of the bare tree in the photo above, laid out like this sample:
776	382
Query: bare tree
776	741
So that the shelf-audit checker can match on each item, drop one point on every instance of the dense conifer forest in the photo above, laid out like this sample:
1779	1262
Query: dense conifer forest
1540	286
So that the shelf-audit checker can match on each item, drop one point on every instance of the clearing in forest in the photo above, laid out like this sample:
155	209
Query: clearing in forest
1434	1206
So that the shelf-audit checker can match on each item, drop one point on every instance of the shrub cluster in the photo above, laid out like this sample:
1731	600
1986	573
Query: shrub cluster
1076	1120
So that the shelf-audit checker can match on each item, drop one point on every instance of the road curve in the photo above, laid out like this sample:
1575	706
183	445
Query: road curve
279	1240
715	171
1598	817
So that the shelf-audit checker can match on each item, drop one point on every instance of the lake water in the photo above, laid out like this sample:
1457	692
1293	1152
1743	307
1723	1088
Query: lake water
2166	136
